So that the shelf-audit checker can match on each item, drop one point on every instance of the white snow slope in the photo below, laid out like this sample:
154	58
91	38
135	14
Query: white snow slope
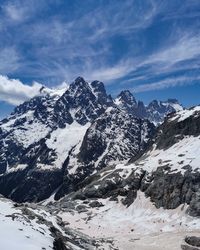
140	226
18	232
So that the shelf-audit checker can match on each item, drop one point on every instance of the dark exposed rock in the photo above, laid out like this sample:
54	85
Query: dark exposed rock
193	241
169	190
95	204
173	131
115	136
194	208
59	243
186	247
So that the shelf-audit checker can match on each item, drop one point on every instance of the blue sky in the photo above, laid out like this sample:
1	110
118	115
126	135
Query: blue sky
149	47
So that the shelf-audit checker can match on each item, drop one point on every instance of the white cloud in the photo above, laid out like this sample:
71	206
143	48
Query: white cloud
167	83
110	73
13	12
19	11
185	48
15	92
63	85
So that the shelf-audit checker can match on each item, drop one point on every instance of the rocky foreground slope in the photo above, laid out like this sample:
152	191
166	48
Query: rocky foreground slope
34	227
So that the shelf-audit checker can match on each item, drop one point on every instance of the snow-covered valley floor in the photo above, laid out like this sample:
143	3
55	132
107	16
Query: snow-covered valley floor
140	226
112	226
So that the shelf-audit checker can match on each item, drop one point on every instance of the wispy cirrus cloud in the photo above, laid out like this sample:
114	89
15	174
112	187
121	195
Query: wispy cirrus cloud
185	47
15	12
167	83
80	45
180	57
20	11
128	43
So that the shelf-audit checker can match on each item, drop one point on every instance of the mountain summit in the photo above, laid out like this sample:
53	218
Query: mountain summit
155	112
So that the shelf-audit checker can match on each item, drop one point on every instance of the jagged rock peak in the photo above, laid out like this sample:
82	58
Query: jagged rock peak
80	79
154	104
79	83
98	85
127	97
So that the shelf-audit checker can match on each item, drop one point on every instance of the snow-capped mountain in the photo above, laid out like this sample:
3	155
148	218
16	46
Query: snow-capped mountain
61	137
155	112
105	176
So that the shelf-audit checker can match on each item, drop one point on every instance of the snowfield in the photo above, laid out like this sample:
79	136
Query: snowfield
185	113
64	140
18	232
141	226
181	154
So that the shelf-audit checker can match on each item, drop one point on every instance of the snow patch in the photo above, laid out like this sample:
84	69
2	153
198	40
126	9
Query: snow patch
64	139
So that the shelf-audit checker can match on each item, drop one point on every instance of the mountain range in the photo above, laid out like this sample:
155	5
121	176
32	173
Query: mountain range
61	137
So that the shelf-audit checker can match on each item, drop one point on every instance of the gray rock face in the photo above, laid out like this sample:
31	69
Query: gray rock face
173	131
114	137
186	247
121	134
193	243
194	208
169	190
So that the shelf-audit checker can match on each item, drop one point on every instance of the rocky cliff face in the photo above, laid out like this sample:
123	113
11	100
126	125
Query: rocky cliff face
114	137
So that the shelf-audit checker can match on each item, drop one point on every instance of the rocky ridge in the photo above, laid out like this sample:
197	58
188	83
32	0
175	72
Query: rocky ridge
155	111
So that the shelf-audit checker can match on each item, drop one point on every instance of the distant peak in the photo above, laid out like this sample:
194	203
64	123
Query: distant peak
127	97
126	93
97	86
79	82
80	79
154	104
96	83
